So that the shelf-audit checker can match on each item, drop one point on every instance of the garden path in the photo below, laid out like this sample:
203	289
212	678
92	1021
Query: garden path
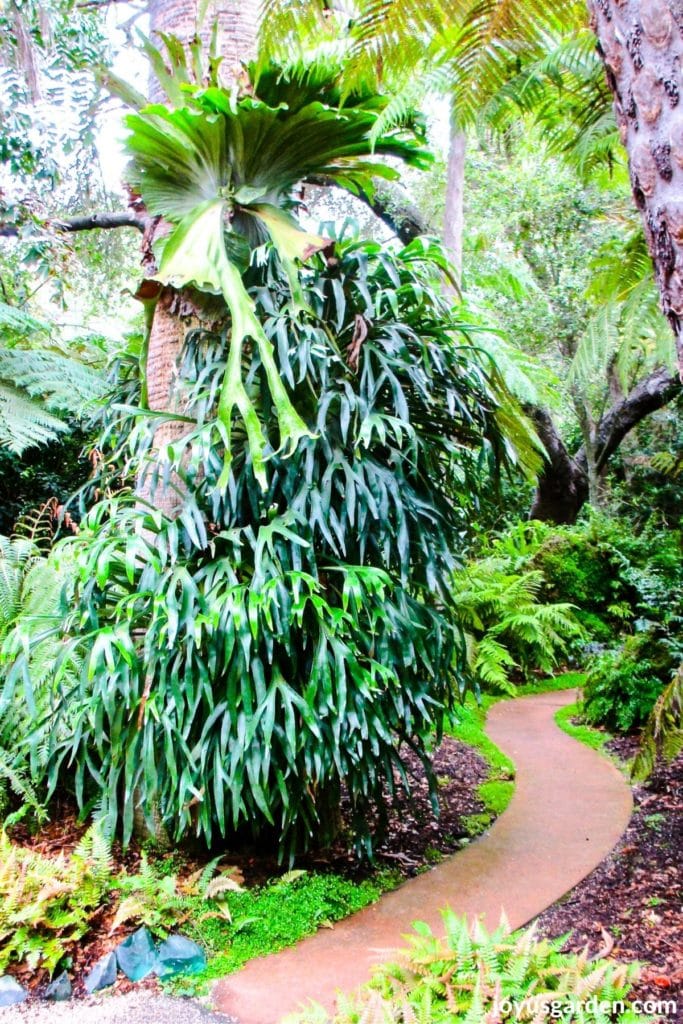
569	808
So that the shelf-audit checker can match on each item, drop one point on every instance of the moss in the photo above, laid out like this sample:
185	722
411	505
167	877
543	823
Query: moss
496	795
270	918
475	824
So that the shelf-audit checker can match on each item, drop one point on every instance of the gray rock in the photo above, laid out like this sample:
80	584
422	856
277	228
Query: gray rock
102	975
11	991
59	989
178	955
137	955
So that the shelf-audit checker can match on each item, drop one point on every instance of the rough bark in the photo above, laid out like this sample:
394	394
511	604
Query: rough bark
453	225
641	44
175	314
563	486
237	22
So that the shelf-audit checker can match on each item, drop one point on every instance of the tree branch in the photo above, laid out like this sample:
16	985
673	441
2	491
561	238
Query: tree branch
88	222
563	483
391	204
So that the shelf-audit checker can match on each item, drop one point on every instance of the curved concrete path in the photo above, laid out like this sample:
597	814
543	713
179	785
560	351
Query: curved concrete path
570	807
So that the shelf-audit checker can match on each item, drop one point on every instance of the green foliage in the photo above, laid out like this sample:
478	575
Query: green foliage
506	625
269	918
150	899
624	685
32	609
212	162
663	735
38	385
47	903
468	975
246	659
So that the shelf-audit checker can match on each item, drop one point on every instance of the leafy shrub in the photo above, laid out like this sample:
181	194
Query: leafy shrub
247	658
474	976
624	685
506	625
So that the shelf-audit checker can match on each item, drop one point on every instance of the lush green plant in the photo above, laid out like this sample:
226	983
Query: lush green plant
623	686
271	917
37	384
47	903
247	658
475	976
663	736
506	625
32	608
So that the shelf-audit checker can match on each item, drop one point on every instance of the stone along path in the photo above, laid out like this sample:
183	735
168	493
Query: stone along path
569	808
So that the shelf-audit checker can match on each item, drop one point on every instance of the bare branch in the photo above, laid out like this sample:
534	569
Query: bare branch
88	222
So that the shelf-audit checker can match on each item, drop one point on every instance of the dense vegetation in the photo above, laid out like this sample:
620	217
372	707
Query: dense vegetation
281	503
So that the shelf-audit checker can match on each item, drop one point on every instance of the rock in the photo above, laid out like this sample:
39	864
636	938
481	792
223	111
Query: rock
59	989
11	991
178	955
137	955
102	975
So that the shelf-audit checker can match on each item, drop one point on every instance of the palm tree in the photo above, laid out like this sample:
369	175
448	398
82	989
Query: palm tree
175	314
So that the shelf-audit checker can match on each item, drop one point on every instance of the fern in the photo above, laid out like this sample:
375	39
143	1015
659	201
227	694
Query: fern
469	975
506	624
663	735
47	903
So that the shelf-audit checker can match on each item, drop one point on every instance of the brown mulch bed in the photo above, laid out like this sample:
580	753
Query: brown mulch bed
636	894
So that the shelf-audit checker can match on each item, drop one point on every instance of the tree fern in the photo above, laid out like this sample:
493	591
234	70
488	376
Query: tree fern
507	626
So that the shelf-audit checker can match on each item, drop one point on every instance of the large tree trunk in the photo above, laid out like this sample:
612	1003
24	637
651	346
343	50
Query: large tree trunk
641	43
176	313
453	224
563	485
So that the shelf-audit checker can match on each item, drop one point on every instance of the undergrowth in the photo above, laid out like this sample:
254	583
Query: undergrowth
264	920
473	976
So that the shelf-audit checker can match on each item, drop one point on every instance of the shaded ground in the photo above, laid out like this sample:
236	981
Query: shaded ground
636	895
414	839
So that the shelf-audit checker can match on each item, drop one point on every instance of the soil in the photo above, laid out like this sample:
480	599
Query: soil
414	839
635	898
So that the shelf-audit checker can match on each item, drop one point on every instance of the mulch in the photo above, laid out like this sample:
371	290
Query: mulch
636	895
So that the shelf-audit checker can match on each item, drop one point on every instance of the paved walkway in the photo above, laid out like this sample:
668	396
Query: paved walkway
569	809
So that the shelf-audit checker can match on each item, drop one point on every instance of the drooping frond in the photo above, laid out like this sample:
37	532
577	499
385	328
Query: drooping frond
17	321
63	384
24	422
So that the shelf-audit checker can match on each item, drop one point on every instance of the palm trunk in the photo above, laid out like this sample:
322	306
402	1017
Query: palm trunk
455	190
641	44
174	315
